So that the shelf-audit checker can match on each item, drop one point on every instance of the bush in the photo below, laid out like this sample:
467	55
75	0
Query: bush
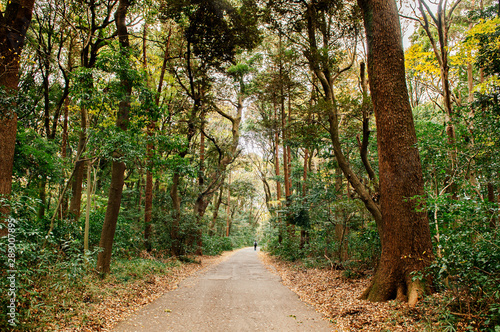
126	270
215	245
364	246
469	273
45	267
288	249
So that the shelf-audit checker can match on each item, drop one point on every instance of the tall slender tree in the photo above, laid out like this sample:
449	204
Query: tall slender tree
118	167
93	37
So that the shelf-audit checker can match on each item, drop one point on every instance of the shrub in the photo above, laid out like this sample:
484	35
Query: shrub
469	273
215	245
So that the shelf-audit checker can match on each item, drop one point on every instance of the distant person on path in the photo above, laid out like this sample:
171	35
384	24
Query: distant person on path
254	245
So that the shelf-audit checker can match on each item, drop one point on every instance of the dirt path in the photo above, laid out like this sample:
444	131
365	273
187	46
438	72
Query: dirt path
239	294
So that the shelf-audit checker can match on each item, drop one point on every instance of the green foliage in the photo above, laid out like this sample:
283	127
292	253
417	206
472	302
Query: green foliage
489	53
238	70
217	29
364	246
300	218
215	245
45	266
22	101
326	226
467	266
128	270
470	270
35	154
114	144
288	249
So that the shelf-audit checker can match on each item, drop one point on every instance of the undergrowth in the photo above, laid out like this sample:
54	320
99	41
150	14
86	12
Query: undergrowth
65	292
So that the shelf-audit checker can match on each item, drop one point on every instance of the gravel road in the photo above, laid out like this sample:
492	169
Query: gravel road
239	294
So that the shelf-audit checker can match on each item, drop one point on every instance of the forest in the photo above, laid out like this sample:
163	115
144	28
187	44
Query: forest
360	136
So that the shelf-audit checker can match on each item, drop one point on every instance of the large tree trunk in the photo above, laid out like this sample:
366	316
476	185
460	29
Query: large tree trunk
14	22
118	167
8	130
404	232
111	217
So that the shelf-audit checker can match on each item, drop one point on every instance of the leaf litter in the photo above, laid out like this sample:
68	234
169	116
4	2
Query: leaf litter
337	298
107	302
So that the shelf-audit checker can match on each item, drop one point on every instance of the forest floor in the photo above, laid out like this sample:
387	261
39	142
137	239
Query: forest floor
337	297
108	301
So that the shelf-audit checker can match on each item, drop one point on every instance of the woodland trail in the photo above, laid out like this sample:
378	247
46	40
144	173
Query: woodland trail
239	294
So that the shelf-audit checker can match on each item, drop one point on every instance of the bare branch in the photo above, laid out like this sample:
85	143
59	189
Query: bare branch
227	116
429	11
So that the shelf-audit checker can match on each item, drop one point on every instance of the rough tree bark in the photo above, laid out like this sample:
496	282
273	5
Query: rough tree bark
118	167
404	232
14	22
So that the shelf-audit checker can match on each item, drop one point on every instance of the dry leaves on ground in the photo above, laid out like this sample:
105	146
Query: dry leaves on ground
337	298
117	301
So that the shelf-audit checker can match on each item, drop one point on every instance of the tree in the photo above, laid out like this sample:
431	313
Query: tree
148	204
48	37
441	22
14	23
216	31
327	75
92	32
118	168
404	228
